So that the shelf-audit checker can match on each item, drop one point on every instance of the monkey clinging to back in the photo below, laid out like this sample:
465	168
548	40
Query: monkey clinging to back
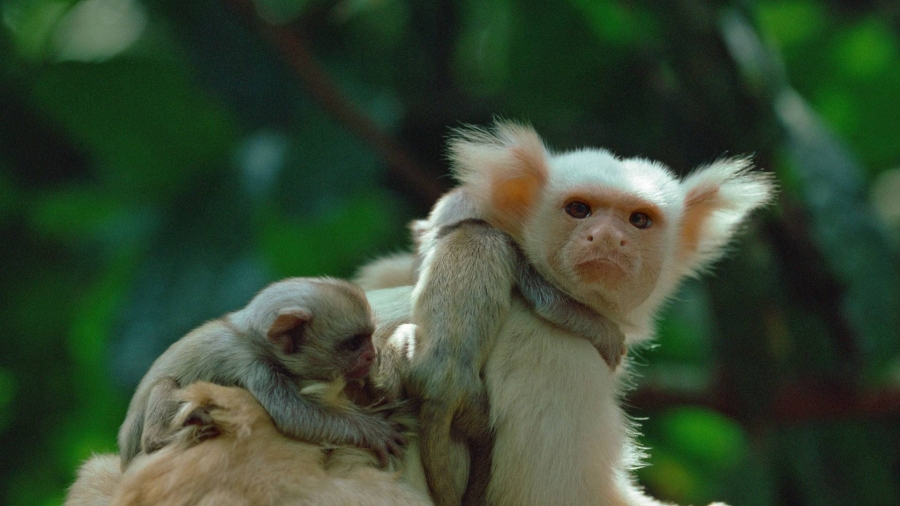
295	330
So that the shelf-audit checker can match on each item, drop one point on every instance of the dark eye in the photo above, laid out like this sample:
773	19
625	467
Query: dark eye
578	210
356	342
640	220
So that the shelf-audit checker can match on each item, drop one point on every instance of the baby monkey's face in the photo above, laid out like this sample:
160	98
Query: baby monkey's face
327	356
334	339
361	355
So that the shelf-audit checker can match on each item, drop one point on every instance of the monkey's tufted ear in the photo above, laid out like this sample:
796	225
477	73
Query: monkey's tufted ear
194	422
201	423
504	170
288	331
716	199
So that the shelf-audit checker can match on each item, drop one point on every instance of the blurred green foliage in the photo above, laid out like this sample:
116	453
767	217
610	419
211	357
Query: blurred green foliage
161	161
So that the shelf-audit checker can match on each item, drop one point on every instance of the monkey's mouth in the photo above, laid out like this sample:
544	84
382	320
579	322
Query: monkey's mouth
358	373
601	269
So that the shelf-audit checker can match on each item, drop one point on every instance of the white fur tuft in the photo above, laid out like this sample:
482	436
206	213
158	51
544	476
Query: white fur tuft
502	169
729	191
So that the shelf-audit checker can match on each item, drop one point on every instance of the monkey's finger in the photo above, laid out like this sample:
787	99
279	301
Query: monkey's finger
605	354
382	454
612	355
399	438
394	449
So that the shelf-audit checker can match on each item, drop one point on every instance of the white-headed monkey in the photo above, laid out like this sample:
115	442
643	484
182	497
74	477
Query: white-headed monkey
615	235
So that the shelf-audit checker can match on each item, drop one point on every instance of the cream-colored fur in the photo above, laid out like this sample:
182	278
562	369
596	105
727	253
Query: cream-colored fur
521	186
387	272
236	457
97	481
561	435
555	444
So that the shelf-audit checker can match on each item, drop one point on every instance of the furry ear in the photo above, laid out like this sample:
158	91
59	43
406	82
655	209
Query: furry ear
194	422
503	169
716	199
288	331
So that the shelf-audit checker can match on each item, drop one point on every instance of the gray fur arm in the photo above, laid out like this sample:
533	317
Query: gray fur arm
161	408
300	418
555	306
460	302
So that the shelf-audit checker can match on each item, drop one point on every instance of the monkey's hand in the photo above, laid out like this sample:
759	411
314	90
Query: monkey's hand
607	337
300	418
558	308
381	436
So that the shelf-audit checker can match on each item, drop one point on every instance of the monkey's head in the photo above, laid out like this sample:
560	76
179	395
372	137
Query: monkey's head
616	234
320	328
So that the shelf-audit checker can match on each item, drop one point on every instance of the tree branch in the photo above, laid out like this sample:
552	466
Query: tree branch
401	165
793	404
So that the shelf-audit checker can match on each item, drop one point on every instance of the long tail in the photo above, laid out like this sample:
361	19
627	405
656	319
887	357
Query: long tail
434	420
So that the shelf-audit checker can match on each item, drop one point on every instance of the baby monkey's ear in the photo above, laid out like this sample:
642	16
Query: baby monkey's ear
288	331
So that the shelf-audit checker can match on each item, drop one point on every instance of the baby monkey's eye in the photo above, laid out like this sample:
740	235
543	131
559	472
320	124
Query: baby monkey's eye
640	220
356	342
578	210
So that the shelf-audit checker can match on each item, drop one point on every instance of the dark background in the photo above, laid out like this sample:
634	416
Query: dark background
161	161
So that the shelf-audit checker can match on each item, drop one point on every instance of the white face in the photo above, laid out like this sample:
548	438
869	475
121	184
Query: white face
617	234
602	240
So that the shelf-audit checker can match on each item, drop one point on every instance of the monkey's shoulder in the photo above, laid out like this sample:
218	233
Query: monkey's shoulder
211	352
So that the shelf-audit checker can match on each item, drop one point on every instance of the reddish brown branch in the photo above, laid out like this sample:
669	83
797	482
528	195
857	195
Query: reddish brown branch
794	404
799	403
318	83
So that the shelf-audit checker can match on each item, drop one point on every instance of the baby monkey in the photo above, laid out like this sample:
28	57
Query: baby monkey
294	331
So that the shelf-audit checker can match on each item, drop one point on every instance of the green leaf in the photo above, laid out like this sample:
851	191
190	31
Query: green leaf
32	23
622	23
868	49
150	128
9	195
691	451
8	389
793	22
334	244
77	213
482	52
705	437
684	331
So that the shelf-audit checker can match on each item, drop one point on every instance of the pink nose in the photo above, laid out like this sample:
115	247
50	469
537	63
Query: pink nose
608	236
369	356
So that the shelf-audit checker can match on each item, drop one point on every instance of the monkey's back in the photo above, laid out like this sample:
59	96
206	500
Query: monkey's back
250	462
212	352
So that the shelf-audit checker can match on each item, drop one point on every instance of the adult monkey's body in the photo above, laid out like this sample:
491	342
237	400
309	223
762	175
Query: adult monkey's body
616	235
465	272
